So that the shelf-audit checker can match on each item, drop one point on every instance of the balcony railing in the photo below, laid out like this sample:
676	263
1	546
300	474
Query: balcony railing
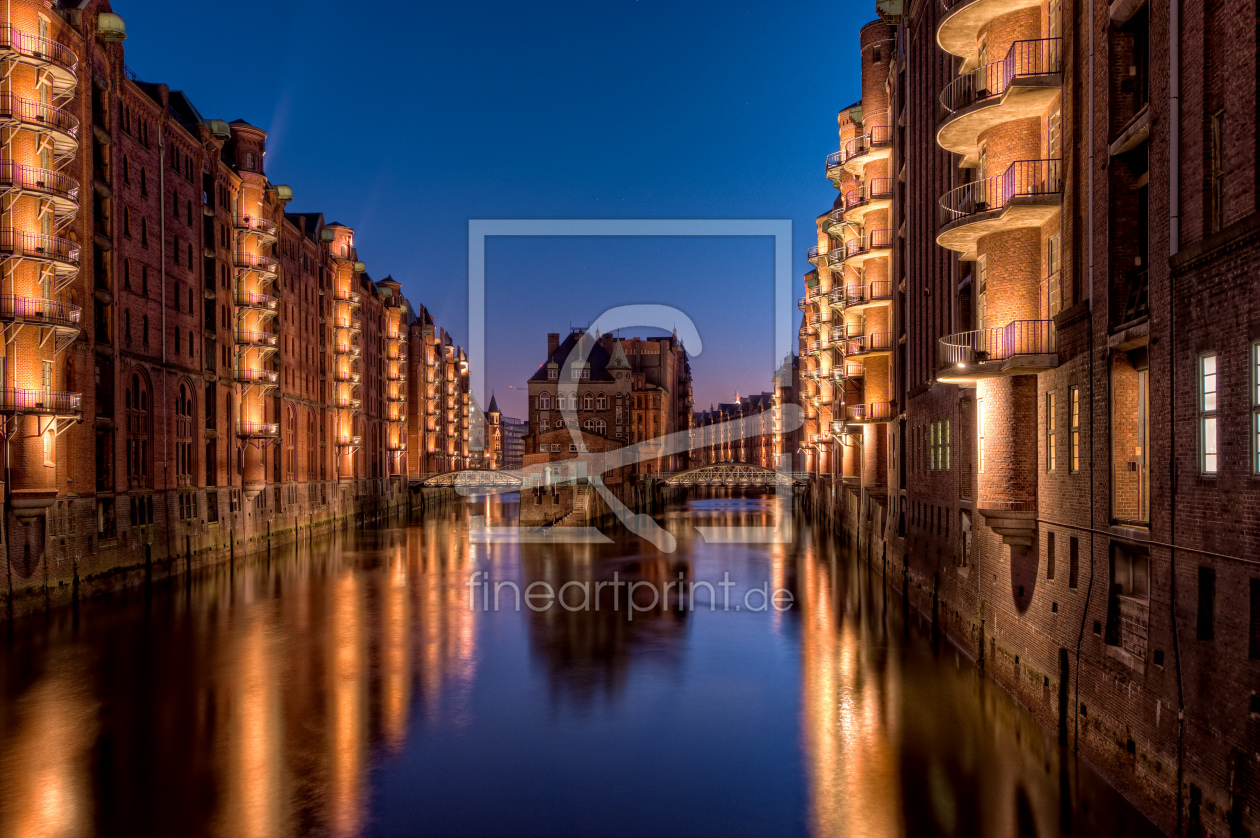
254	262
878	137
1020	337
251	375
261	226
257	430
37	114
861	244
349	404
47	402
1024	59
351	324
816	254
834	161
1022	179
39	246
253	337
344	377
349	441
845	372
351	297
39	311
866	344
34	179
348	349
874	189
845	331
878	291
873	412
37	49
256	301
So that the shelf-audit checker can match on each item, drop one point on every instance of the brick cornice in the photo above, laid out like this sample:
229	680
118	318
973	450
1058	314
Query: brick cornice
1236	235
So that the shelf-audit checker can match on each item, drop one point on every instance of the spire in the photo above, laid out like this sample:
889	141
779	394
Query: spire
618	361
494	407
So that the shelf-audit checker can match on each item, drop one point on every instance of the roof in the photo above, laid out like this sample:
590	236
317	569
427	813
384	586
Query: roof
494	406
597	360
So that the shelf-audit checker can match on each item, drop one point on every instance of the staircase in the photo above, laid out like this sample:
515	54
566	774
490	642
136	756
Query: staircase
580	516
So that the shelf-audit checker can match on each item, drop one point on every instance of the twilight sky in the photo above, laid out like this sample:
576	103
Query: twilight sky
405	120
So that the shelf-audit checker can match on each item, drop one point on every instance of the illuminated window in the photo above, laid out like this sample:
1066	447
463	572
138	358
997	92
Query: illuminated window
1207	414
1074	399
1051	428
980	434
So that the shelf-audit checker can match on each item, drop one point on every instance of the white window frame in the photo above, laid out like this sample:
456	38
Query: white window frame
1209	383
1051	433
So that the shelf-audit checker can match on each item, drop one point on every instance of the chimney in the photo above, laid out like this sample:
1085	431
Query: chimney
553	342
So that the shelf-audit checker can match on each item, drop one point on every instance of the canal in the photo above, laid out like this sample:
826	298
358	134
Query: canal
358	685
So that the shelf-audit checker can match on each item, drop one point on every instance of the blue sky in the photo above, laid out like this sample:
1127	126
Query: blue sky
405	120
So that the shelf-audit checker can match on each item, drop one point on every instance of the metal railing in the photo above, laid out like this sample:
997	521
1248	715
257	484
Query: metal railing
253	337
348	349
250	375
256	225
31	112
257	429
51	402
872	189
247	300
866	344
1022	179
39	310
814	252
34	178
844	372
1020	337
254	261
836	216
835	160
1007	505
845	331
873	412
343	377
877	136
1024	59
34	46
351	297
863	244
39	246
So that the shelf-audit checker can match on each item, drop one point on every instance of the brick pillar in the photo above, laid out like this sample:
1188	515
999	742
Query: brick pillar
1010	439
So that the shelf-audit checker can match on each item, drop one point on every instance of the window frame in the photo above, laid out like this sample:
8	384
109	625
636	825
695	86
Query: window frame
1209	461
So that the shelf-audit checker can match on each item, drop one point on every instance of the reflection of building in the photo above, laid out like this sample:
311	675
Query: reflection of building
514	433
714	438
1032	387
234	367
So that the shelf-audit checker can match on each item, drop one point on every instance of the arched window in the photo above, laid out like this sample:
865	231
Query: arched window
311	469
601	427
601	402
139	432
183	436
588	402
290	443
559	424
543	426
127	274
544	402
589	425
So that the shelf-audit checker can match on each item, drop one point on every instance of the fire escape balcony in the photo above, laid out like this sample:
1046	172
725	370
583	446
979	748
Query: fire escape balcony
875	144
349	441
63	318
1021	85
816	255
834	224
347	349
61	190
255	375
256	302
879	343
877	293
255	338
263	228
61	254
395	396
56	123
835	168
875	413
54	58
257	430
349	324
1027	194
53	403
847	372
874	194
353	299
857	250
395	445
255	262
347	377
958	29
844	331
1018	348
347	403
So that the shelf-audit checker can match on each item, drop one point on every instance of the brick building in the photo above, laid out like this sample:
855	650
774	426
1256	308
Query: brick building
249	378
1074	373
714	440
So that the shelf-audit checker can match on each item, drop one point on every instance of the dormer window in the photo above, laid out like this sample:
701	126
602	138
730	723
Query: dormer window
552	373
249	161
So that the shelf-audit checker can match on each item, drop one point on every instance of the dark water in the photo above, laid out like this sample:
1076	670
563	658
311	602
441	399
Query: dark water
347	688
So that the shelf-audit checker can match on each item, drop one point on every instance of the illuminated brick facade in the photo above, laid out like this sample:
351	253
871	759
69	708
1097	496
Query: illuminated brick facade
187	365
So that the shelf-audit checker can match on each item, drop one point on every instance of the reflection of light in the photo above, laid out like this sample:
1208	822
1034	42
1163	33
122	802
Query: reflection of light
50	793
396	675
253	793
347	715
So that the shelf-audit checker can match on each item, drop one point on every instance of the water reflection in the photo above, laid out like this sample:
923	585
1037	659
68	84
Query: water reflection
346	687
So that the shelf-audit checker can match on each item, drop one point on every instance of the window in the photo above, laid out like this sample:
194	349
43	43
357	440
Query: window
1054	291
136	398
601	401
543	425
544	402
980	434
982	302
1050	555
1074	549
1074	407
1051	428
1216	214
1207	603
1054	133
1255	408
553	373
588	402
1207	414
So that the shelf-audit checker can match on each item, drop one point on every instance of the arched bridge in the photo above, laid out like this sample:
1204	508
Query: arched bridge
474	478
733	474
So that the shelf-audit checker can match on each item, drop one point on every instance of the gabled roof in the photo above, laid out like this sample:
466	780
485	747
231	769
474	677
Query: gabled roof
597	360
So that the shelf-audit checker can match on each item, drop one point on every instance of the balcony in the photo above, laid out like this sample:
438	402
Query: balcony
878	343
816	255
38	311
395	446
395	396
257	430
256	302
874	145
349	404
1018	348
61	190
845	331
264	228
57	123
878	293
351	298
875	194
347	377
349	441
253	337
57	59
848	372
349	324
833	224
835	168
255	262
958	29
1027	194
1022	85
347	349
860	248
875	413
253	375
41	402
62	254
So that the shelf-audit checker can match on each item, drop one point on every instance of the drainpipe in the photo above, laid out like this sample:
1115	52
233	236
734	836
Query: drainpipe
162	278
1174	246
